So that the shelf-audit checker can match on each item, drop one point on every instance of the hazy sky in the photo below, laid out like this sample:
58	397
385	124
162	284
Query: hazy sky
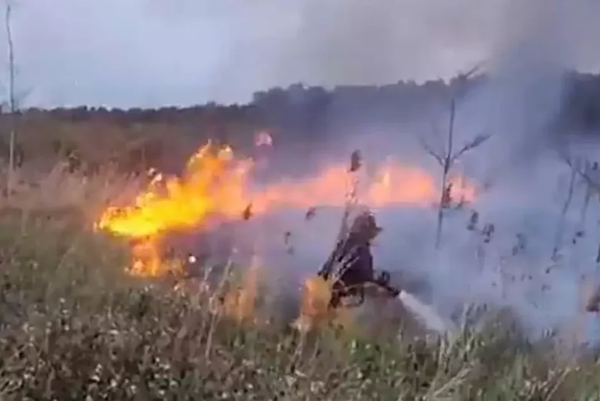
153	52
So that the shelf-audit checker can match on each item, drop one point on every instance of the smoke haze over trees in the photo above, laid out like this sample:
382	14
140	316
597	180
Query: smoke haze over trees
299	115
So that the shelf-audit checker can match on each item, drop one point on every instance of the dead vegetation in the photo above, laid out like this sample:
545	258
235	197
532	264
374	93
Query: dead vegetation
450	154
74	325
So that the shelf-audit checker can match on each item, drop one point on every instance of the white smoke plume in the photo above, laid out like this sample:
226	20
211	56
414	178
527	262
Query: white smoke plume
534	44
151	52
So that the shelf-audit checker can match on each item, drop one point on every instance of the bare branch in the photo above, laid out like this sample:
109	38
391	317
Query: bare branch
439	158
472	71
590	181
566	158
476	142
447	158
463	78
575	165
561	222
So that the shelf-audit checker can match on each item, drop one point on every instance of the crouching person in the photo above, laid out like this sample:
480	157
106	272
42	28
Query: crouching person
350	266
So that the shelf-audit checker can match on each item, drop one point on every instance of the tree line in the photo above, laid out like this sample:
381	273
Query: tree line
136	137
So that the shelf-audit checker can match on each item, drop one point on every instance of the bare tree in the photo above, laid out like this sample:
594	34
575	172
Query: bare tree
14	97
450	155
574	165
590	173
590	169
11	95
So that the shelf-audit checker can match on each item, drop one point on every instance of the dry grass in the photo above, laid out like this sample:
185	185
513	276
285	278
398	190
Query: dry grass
74	326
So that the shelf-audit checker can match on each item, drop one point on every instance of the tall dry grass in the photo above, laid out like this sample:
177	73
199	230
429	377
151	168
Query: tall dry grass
75	326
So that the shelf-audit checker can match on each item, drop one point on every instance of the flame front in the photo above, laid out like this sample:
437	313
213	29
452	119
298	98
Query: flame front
314	308
215	183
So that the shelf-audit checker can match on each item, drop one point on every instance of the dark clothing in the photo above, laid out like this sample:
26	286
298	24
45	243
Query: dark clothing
351	262
350	267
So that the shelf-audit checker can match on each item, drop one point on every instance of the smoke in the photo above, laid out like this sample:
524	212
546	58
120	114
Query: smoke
265	43
334	42
526	46
151	52
533	44
541	42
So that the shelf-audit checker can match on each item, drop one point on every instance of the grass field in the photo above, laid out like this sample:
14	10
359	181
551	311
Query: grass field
75	326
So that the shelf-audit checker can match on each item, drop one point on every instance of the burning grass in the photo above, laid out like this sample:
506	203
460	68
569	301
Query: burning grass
74	325
216	183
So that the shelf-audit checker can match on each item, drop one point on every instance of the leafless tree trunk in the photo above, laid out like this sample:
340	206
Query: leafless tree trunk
585	206
446	166
590	169
589	174
11	100
448	157
563	213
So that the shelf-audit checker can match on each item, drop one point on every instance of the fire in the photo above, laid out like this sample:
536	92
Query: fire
212	184
216	183
146	257
240	303
394	184
314	306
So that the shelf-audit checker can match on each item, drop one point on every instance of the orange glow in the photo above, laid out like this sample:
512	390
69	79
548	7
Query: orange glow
314	309
146	258
240	303
215	183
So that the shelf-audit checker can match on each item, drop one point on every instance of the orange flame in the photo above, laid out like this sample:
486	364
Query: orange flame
215	183
146	258
314	309
315	312
240	303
